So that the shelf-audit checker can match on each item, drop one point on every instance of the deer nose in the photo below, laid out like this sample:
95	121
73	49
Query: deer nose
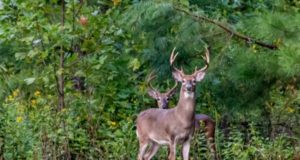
164	104
189	87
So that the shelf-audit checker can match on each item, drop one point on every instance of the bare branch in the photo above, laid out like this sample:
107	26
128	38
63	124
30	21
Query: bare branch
227	29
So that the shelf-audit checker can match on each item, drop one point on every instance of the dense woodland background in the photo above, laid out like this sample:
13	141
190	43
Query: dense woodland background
72	75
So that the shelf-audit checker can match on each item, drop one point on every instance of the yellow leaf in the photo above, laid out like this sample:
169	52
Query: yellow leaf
16	92
113	123
290	110
37	93
19	119
10	98
33	102
116	2
278	41
64	110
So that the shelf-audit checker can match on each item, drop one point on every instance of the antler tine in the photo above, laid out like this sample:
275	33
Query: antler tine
172	59
174	87
206	59
149	79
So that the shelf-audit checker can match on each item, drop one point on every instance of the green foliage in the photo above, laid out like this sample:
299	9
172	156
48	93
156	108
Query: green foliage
252	92
255	146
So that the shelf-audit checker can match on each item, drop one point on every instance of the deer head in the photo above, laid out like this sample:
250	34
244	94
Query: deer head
189	81
161	98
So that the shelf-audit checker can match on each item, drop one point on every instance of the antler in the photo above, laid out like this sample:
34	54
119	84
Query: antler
172	59
149	79
206	59
174	87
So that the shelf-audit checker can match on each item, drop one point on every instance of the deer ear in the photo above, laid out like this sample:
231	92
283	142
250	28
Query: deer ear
199	76
152	93
177	76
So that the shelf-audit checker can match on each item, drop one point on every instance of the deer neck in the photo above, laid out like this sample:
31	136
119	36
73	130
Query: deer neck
186	105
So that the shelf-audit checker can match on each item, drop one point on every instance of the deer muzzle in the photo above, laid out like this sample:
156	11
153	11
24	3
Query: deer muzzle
189	87
164	104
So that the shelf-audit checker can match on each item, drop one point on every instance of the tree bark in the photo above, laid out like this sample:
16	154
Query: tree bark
61	82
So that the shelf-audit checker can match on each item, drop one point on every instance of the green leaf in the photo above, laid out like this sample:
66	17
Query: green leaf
32	53
135	64
60	71
29	81
80	73
88	45
184	2
101	62
3	68
20	55
27	39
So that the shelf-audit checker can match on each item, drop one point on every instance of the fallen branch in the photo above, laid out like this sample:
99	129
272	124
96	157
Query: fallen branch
228	30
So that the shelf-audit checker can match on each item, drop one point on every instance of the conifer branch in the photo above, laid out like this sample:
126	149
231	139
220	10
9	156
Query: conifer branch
227	29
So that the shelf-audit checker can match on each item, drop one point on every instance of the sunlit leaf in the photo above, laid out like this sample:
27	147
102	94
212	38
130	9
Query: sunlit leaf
134	64
29	81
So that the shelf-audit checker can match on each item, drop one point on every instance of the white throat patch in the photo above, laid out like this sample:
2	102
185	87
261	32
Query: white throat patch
189	94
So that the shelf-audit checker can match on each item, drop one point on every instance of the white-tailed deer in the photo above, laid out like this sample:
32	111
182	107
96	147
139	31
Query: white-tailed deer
162	100
173	126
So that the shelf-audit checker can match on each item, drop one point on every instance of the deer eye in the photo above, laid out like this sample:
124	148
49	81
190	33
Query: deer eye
183	81
167	98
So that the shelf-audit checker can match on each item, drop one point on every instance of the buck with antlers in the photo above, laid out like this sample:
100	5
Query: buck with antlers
162	100
173	126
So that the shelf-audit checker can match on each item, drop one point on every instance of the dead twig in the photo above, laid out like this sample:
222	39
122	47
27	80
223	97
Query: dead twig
227	29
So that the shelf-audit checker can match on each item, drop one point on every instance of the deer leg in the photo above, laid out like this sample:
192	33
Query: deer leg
212	148
152	151
168	150
172	151
149	150
185	150
209	132
142	149
210	136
